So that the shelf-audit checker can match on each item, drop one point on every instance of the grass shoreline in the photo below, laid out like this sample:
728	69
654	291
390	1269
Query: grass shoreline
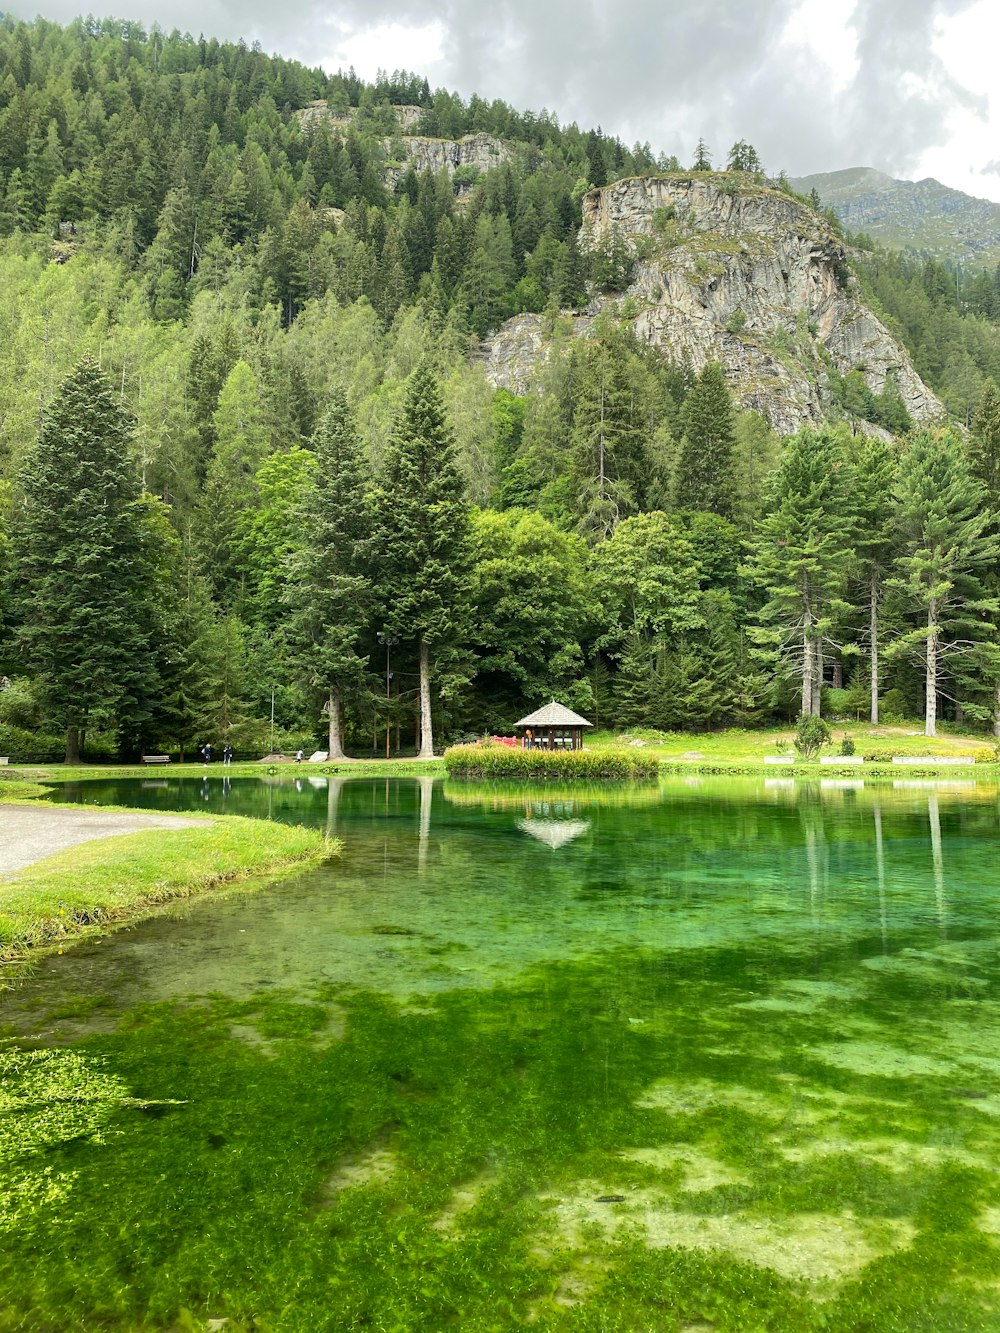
107	883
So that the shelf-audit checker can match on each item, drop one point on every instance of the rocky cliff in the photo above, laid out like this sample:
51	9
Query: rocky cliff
481	151
730	271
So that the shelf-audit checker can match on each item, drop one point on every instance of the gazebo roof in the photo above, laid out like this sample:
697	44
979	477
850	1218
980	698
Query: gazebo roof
553	715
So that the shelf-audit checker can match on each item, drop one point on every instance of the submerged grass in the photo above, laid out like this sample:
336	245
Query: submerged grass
114	880
508	1158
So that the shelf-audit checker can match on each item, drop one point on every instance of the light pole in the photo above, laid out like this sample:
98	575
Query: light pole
388	640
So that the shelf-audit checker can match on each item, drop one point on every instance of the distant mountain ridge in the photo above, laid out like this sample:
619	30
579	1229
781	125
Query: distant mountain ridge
924	216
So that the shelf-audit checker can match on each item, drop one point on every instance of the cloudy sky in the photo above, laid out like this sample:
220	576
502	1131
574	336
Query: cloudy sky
815	85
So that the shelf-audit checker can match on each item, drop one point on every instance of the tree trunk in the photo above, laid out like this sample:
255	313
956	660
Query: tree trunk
996	711
72	745
873	632
817	690
807	670
336	741
930	705
426	732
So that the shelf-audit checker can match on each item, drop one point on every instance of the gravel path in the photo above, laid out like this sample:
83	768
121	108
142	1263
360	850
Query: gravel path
29	833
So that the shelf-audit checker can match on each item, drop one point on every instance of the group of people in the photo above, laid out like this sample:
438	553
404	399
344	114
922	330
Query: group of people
227	754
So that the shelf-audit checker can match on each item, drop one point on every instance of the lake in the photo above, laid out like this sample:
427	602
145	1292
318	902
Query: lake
712	1054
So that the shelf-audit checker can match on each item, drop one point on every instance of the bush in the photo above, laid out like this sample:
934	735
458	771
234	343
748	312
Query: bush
501	761
847	745
31	747
892	706
737	321
811	736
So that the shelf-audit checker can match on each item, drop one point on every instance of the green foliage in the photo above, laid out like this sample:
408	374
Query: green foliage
847	746
84	579
706	472
329	588
502	761
811	735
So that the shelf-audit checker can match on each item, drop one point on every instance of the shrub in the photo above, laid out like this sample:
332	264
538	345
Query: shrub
31	747
737	321
501	761
847	745
811	736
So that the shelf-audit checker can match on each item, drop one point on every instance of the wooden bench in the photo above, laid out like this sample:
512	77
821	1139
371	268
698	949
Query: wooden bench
156	759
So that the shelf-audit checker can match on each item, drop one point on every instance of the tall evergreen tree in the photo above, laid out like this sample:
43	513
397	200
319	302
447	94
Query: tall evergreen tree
422	527
329	592
872	503
801	553
946	545
79	597
706	477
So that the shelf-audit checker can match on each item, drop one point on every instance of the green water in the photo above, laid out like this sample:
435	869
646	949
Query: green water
710	1056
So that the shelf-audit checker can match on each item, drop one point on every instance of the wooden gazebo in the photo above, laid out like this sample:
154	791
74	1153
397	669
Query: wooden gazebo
554	727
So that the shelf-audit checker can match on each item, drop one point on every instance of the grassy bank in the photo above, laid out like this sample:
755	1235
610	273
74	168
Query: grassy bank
738	751
111	881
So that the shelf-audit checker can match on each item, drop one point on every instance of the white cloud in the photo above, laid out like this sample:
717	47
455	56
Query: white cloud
388	46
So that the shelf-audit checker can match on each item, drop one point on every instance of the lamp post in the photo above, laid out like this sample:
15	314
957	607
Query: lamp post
384	637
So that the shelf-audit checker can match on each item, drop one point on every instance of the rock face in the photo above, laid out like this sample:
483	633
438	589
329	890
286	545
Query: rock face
739	273
317	112
481	151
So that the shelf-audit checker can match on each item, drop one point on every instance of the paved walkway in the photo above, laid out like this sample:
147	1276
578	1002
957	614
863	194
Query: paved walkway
28	833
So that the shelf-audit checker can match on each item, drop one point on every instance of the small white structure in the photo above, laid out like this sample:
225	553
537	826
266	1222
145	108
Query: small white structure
927	760
779	759
841	760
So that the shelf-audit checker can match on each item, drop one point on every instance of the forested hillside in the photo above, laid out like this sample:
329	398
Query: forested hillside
249	454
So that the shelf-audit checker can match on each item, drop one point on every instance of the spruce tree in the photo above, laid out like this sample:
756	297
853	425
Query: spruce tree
944	533
872	503
706	475
79	592
422	529
801	553
328	590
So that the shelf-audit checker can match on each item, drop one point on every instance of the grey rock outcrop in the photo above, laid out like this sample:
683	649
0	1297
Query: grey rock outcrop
482	151
735	272
318	112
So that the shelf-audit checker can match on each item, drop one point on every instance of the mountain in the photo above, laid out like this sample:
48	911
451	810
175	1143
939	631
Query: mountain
925	216
725	269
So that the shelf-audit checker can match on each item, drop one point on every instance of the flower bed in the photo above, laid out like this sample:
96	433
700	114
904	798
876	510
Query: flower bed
495	761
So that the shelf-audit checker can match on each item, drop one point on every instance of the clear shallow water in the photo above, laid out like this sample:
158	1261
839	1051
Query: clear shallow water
714	1055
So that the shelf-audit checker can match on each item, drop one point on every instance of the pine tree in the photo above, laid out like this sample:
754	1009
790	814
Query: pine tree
943	526
872	503
706	473
329	592
801	553
422	529
79	595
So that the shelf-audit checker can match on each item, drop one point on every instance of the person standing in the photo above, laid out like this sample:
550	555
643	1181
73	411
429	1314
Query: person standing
227	755
206	754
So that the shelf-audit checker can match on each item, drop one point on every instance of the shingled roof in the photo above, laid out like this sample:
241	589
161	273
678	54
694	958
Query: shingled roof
553	715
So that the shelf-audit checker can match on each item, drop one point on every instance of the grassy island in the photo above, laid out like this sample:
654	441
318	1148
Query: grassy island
501	761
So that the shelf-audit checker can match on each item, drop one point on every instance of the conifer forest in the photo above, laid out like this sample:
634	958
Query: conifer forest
258	489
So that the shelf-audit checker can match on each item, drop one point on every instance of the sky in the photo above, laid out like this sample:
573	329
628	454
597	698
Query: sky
909	87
